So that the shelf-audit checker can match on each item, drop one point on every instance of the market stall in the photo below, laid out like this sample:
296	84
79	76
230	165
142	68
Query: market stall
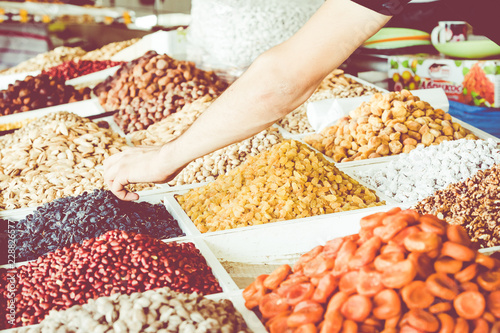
363	210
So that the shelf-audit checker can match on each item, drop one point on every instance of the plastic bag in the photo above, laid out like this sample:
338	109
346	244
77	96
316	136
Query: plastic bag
230	34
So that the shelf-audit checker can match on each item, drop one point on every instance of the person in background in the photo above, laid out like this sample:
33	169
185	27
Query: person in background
276	83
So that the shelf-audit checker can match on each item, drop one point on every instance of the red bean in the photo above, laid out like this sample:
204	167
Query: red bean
96	272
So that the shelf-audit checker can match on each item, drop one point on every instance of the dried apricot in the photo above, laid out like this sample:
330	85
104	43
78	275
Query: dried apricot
481	326
468	273
344	255
357	308
440	285
387	259
326	286
365	253
305	312
457	251
440	307
447	323
275	278
416	295
461	325
399	274
349	326
489	280
272	304
332	323
423	320
386	304
470	305
430	223
369	282
493	302
349	281
457	234
297	293
448	265
422	242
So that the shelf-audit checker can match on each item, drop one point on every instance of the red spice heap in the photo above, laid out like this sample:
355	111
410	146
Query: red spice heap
72	69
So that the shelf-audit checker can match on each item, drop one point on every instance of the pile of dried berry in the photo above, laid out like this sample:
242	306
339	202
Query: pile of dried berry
72	69
69	220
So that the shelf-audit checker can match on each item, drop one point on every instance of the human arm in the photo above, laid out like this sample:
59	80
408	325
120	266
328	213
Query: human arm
276	83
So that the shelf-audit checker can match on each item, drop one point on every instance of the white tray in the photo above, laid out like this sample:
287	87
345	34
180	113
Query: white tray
5	80
385	159
174	206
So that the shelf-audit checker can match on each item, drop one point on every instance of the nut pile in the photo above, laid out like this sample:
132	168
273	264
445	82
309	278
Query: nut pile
335	85
220	162
72	69
388	124
173	126
52	157
152	87
115	262
473	204
403	272
160	310
46	60
417	175
109	50
36	92
286	182
69	220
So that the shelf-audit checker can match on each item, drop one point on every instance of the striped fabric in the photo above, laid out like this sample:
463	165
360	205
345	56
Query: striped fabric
21	41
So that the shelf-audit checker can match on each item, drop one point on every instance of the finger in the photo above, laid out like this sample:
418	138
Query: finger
118	189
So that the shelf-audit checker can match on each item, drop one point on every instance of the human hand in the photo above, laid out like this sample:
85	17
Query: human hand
135	165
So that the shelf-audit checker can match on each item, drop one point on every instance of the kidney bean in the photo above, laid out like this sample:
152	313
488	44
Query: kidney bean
357	308
62	284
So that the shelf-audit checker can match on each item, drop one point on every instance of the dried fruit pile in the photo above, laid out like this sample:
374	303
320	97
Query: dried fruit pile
36	92
285	182
150	88
473	204
69	220
46	60
116	262
403	272
388	124
72	69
